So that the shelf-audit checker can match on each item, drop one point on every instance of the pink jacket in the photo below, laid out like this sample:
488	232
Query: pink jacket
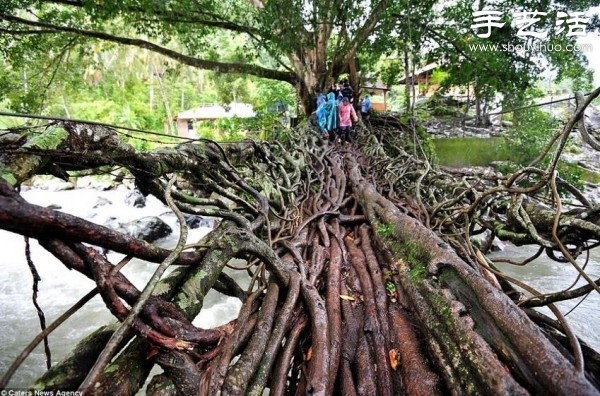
346	112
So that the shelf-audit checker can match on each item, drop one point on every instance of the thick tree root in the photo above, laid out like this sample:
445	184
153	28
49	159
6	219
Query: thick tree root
351	292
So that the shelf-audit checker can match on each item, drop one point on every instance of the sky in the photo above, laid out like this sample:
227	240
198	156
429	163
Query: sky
592	41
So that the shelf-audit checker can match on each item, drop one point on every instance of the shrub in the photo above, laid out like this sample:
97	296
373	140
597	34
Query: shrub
529	134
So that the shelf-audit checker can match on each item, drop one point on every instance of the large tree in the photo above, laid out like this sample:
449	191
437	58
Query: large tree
352	292
304	44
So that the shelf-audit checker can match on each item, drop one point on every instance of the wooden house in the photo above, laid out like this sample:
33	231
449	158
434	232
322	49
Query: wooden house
374	90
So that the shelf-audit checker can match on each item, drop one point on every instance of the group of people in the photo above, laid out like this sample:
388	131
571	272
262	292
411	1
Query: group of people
335	112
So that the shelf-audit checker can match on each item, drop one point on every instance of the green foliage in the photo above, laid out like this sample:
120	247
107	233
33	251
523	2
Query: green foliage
416	256
142	144
440	304
390	287
418	272
492	65
231	129
589	176
69	74
6	175
48	140
267	93
531	130
386	230
390	70
425	141
438	76
264	125
572	173
439	106
571	65
527	137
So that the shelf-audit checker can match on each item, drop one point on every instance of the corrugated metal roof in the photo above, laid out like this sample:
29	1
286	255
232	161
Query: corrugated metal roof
216	111
377	85
420	71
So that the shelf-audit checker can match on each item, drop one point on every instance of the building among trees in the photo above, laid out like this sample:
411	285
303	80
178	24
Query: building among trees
210	112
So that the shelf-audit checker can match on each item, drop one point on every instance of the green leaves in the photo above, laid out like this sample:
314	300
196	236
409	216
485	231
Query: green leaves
531	130
301	43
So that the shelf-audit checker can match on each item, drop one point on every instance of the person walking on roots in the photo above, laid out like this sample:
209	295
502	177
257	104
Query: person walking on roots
347	115
327	117
365	107
347	92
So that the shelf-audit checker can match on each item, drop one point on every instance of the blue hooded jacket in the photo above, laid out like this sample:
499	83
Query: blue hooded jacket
320	99
327	114
366	104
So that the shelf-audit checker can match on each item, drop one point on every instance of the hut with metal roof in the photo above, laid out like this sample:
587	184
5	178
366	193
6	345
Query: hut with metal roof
210	112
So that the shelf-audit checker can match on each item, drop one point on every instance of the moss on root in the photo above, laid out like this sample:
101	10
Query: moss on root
415	255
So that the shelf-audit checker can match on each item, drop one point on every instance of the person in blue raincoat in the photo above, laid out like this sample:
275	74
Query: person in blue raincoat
365	107
327	117
321	98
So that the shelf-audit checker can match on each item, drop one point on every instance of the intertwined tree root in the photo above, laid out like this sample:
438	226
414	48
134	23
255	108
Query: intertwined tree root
351	291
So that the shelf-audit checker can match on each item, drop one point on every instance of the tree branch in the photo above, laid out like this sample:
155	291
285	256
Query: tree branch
120	333
365	31
221	67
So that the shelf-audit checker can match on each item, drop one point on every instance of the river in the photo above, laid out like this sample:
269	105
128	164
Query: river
60	288
548	276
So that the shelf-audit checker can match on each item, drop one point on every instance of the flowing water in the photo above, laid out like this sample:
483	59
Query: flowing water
60	288
548	276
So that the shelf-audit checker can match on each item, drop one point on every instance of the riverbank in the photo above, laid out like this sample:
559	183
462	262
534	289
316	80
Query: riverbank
457	145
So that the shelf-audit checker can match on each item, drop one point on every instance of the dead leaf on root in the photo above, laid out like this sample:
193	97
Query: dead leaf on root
309	354
394	363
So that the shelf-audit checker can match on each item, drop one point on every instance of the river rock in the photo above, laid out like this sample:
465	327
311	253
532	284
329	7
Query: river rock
51	184
479	240
195	221
95	182
592	193
498	245
101	201
135	199
149	229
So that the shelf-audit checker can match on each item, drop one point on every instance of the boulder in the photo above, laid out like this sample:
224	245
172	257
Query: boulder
95	182
149	228
480	239
136	199
195	221
101	201
51	184
498	245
